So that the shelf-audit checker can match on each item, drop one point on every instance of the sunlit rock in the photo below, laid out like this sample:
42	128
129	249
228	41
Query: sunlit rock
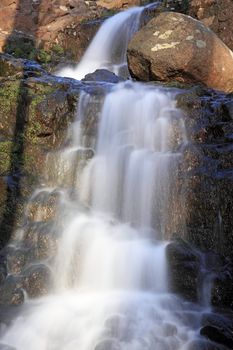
175	47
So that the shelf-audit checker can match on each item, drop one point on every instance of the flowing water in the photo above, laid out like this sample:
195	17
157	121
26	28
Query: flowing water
108	48
111	289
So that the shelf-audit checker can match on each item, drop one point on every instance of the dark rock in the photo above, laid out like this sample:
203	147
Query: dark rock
11	292
10	66
3	274
37	280
173	46
17	258
183	261
222	287
218	328
103	75
206	170
41	239
9	313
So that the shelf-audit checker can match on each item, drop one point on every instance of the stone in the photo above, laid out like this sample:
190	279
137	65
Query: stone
43	206
36	280
206	171
16	259
222	288
215	14
183	260
113	4
218	328
10	66
32	111
40	238
103	75
50	32
11	292
176	47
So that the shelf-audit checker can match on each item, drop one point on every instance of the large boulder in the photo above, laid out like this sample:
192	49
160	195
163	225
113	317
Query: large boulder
215	14
173	46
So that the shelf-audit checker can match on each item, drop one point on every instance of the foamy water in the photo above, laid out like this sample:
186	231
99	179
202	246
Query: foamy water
110	274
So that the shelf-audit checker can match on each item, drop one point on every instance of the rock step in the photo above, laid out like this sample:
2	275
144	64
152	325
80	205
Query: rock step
64	167
35	280
43	205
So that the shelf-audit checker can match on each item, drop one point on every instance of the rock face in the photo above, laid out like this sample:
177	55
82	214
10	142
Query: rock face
173	46
111	4
35	112
215	14
26	26
54	31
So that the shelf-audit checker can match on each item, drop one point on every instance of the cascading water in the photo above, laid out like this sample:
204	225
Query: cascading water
110	274
108	48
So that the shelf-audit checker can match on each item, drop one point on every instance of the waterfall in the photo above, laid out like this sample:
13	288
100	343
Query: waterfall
110	289
108	48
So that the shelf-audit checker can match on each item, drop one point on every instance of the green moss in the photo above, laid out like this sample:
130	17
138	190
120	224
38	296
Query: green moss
9	93
21	47
5	157
57	49
44	56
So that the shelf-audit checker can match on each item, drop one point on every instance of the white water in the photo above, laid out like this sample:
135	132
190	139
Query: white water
110	274
108	48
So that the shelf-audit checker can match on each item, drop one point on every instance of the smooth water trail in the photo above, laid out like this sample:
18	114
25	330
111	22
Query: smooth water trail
110	274
108	48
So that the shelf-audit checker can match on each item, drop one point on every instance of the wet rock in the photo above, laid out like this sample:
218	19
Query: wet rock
11	292
64	168
173	46
222	288
183	261
41	239
218	328
8	313
43	206
17	258
10	66
35	114
37	280
3	273
206	170
103	75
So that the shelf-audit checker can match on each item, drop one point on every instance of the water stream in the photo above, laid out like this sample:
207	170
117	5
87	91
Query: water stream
110	289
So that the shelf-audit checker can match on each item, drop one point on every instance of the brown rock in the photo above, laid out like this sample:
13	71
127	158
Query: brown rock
177	47
110	4
218	15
